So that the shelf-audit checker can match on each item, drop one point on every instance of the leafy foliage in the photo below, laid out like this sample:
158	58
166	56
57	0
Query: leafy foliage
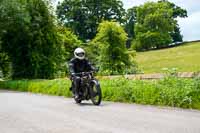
29	36
35	45
154	23
177	12
4	64
111	39
130	22
70	41
84	16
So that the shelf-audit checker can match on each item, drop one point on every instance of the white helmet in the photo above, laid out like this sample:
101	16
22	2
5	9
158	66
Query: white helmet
79	53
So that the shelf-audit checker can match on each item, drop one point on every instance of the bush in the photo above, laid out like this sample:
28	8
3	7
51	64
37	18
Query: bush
51	87
29	37
111	41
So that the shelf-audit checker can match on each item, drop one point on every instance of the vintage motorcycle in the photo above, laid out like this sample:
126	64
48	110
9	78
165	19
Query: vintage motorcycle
89	88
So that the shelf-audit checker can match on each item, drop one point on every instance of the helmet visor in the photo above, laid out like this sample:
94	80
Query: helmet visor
80	54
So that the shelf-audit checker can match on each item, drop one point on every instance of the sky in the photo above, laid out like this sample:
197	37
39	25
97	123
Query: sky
190	26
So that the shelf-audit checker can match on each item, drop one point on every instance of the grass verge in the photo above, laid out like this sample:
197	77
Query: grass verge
185	58
174	92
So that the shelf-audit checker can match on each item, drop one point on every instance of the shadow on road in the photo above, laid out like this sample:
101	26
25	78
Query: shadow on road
91	104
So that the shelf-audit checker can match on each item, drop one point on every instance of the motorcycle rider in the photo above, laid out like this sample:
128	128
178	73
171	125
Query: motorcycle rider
78	64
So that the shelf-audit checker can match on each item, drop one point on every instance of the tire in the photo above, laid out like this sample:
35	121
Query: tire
95	93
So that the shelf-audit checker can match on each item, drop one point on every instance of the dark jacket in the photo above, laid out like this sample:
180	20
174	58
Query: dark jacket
77	66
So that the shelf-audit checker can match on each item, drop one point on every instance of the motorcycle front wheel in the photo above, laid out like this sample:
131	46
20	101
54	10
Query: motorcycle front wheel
95	92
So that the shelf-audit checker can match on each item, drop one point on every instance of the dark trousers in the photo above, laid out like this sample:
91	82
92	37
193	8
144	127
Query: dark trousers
76	82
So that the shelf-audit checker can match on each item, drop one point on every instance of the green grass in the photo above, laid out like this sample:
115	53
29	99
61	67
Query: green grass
186	58
57	87
175	92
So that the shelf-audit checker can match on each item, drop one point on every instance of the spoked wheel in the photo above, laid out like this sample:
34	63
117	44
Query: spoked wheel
96	95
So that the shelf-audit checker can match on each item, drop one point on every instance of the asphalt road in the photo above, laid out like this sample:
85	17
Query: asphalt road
32	113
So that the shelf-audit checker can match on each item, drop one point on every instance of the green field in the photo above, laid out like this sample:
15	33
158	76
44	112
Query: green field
185	58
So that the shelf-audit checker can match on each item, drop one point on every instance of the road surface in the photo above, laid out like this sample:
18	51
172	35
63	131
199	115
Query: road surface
33	113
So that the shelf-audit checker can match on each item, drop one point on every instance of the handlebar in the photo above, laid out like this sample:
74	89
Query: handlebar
84	73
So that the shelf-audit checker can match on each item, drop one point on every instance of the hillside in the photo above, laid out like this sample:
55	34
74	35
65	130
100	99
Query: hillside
185	58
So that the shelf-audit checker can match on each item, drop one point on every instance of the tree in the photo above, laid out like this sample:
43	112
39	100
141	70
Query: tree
176	34
84	16
111	39
70	41
29	37
177	12
130	22
169	12
154	23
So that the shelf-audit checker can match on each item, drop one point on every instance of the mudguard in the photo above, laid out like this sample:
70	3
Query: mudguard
95	81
